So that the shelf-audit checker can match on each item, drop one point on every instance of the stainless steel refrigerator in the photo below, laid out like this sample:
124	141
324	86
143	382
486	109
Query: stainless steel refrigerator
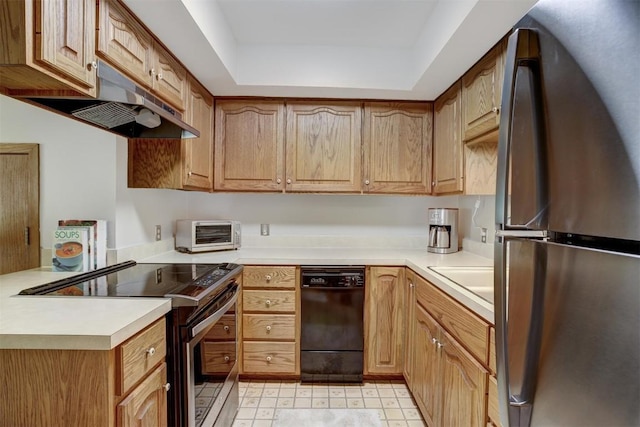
567	251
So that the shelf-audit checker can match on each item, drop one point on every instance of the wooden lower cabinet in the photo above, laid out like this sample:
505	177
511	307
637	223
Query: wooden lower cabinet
448	357
384	321
146	405
270	321
409	325
61	388
449	385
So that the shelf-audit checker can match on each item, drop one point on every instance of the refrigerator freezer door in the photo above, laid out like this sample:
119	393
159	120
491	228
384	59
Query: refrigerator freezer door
572	340
589	63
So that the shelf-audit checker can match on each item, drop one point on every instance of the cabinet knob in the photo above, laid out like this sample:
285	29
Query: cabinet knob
151	351
190	173
268	358
289	181
411	285
167	387
433	183
152	72
227	358
93	65
434	341
159	76
278	181
366	182
440	345
267	278
268	302
226	328
268	328
496	110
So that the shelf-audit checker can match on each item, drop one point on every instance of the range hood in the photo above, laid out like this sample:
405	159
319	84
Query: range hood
121	107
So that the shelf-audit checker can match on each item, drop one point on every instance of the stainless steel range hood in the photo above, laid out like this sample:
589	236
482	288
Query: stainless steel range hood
122	107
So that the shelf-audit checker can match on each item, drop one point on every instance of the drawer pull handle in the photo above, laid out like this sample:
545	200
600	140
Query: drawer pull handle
268	302
226	328
267	278
166	387
150	352
268	328
268	358
227	358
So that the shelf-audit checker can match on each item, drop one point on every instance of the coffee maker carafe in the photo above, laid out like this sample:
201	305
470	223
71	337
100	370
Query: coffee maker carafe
443	230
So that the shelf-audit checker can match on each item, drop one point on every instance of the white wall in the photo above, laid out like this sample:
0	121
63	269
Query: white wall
83	174
321	214
485	217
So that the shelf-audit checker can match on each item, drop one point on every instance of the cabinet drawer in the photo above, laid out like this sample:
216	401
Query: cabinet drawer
223	330
493	411
492	351
269	357
218	357
269	326
471	331
269	277
269	300
139	354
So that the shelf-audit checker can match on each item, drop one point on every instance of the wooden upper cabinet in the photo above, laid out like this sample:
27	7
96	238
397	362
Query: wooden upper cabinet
397	147
123	42
65	38
130	47
384	320
184	164
48	45
481	96
197	153
249	145
448	154
324	146
170	77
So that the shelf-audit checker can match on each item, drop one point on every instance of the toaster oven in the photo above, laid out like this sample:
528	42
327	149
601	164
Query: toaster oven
207	235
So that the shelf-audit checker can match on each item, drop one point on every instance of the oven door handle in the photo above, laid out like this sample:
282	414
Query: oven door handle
210	320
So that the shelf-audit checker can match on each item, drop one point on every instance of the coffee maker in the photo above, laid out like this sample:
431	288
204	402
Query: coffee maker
443	230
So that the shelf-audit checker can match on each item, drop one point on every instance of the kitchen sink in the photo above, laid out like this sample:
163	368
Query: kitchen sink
478	280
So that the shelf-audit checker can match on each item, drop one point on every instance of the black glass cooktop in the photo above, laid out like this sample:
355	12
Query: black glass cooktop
131	279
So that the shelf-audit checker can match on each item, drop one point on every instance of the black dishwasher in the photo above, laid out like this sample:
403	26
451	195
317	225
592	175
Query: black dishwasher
332	332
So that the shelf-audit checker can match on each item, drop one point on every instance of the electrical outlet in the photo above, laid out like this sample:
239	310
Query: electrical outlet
483	235
158	233
264	229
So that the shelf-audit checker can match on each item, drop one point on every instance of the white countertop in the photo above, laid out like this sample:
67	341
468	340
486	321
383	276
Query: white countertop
101	323
417	259
57	322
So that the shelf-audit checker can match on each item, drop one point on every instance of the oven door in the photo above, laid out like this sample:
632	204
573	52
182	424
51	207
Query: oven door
211	373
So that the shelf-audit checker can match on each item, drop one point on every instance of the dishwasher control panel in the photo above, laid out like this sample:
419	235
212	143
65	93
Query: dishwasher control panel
332	277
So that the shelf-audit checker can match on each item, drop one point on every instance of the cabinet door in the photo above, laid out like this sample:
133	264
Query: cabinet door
481	96
249	146
124	43
384	302
464	386
397	147
170	78
197	153
324	147
448	155
409	326
426	366
146	405
65	38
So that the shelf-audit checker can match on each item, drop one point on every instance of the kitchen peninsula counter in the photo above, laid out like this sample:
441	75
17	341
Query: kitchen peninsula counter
102	323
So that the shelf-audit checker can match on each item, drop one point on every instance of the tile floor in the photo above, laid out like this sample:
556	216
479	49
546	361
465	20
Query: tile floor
260	400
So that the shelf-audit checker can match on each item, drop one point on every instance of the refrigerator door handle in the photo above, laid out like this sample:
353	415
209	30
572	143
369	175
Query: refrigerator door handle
523	52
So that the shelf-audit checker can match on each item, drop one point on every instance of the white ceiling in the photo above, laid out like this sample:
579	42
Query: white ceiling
372	49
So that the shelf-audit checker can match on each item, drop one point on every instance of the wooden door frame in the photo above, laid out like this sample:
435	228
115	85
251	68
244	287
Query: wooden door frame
32	150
